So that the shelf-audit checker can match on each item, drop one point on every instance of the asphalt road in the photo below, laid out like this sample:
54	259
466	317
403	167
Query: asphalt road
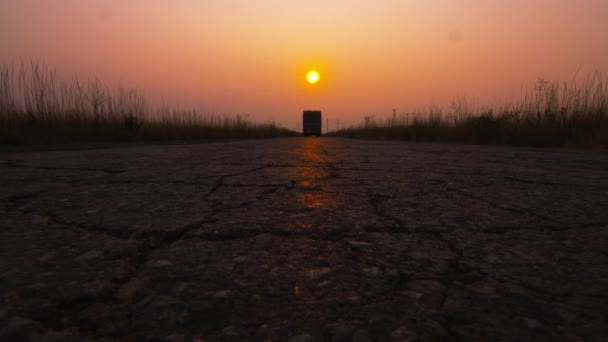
304	239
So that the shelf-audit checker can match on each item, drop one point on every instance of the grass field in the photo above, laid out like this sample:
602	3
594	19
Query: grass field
550	114
39	107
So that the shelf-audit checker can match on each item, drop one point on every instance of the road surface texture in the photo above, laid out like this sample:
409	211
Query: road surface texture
304	239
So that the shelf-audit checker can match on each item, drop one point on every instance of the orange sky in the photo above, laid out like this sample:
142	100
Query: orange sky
244	56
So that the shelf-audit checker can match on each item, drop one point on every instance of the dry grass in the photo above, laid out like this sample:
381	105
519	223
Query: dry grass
37	106
550	114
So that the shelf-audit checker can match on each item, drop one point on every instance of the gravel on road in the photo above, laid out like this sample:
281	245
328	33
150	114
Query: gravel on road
304	239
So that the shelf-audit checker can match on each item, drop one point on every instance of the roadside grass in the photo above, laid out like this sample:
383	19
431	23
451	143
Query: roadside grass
38	107
550	114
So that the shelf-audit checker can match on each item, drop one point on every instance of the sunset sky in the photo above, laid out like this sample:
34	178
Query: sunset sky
244	56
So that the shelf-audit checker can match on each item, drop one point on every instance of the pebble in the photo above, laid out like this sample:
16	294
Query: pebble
412	294
380	329
391	272
342	333
95	289
130	289
355	299
89	257
271	291
359	244
100	315
39	309
230	333
318	273
48	274
8	273
433	328
182	288
431	228
360	336
255	299
40	220
36	288
175	337
401	334
533	324
47	256
302	338
20	330
222	294
55	336
323	284
373	271
240	259
159	263
263	242
118	251
164	310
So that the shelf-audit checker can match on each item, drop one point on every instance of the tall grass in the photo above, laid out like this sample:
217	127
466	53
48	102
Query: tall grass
549	114
37	106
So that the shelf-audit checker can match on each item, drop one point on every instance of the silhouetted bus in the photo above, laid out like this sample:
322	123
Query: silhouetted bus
311	123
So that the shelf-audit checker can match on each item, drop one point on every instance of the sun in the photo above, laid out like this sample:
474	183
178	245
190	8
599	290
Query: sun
313	76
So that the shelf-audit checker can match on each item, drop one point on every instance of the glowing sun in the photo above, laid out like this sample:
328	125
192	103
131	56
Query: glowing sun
313	76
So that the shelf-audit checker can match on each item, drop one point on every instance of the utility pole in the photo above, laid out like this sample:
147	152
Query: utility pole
326	125
394	117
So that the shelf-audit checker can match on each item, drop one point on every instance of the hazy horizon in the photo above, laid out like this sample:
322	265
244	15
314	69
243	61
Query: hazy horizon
237	56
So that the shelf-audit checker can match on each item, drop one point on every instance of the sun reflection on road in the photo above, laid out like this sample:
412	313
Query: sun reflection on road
310	192
312	201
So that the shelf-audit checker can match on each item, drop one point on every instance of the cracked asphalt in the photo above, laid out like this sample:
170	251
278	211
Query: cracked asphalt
304	239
